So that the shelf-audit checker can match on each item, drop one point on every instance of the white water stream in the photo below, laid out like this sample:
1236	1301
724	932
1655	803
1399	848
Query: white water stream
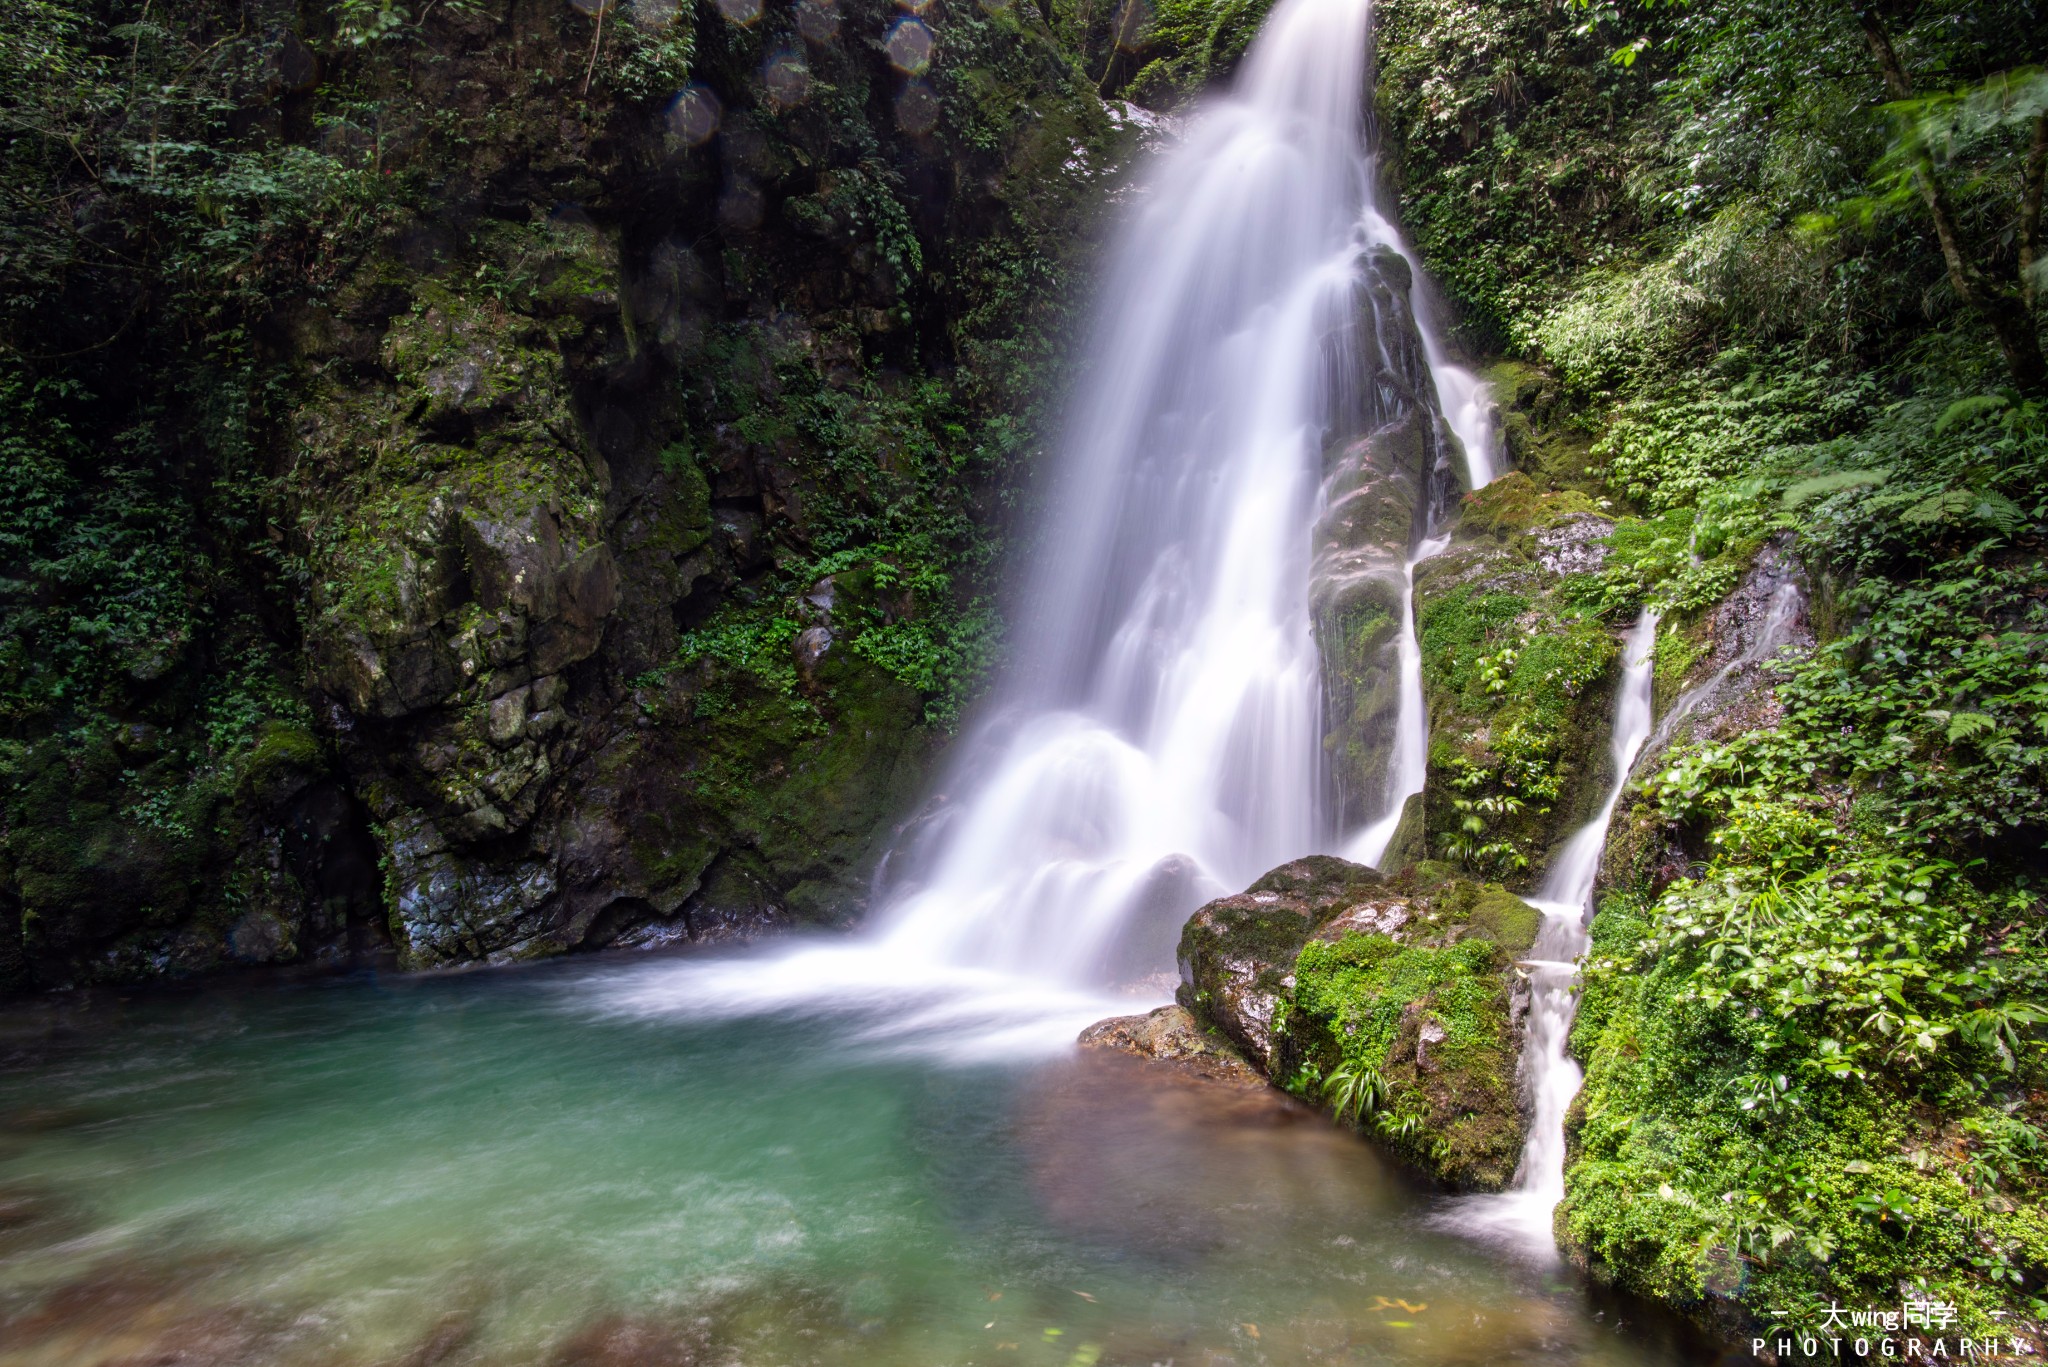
1550	1075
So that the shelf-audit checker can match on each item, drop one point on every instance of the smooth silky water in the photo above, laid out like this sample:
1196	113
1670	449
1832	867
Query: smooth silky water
502	1167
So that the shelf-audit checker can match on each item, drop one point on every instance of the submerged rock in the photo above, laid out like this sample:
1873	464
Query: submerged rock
1171	1034
1323	965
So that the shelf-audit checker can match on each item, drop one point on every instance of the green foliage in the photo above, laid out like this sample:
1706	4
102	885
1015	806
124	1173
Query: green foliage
1411	1040
889	516
1663	448
1190	45
1856	976
1526	676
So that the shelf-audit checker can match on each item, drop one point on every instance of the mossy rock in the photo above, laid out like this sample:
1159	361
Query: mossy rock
1323	964
1436	1022
1515	504
1236	952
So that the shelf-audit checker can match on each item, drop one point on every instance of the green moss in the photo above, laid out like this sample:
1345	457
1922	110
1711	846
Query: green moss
1515	707
1433	1021
1513	504
1682	1187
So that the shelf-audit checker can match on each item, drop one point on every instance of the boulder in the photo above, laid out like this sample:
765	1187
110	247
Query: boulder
1236	953
1171	1035
1324	965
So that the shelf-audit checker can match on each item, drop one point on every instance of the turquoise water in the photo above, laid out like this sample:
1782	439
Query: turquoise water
506	1167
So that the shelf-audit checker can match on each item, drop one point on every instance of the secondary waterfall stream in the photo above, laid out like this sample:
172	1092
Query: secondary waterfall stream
1550	1075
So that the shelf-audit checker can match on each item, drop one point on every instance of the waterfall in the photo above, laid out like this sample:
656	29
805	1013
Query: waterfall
1158	738
1550	1076
1159	743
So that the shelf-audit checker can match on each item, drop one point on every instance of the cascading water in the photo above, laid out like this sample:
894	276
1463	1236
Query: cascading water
1410	760
1159	744
1550	1075
1780	616
1159	740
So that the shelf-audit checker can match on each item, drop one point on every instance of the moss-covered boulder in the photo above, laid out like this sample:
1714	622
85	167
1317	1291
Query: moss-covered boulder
1424	995
1323	966
1236	952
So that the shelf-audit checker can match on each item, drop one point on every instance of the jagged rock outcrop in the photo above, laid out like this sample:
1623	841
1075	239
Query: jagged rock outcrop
1323	965
1717	685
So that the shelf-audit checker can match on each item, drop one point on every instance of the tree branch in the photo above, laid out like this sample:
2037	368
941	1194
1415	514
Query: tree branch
2030	209
2010	320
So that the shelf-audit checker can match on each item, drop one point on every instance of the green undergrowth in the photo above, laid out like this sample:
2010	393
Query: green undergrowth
1512	681
1813	1025
1855	976
890	518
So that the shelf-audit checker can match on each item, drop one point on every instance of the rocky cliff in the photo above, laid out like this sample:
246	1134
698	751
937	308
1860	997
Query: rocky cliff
558	453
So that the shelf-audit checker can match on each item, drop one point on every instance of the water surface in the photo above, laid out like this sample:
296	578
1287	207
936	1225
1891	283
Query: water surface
506	1167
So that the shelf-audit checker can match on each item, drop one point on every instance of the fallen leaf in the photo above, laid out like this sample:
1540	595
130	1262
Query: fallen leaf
1251	1329
1086	1297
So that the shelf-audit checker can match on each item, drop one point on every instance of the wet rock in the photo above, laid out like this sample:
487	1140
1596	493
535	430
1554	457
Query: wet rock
1323	965
1236	952
630	1341
1388	477
809	648
1171	1034
1726	689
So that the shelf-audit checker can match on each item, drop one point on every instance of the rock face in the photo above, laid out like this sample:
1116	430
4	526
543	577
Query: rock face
1172	1035
1323	965
579	604
1716	686
1390	470
1517	675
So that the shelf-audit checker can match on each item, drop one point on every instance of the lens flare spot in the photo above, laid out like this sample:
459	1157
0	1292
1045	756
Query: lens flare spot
741	206
653	15
741	12
909	46
693	116
787	78
817	20
917	109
